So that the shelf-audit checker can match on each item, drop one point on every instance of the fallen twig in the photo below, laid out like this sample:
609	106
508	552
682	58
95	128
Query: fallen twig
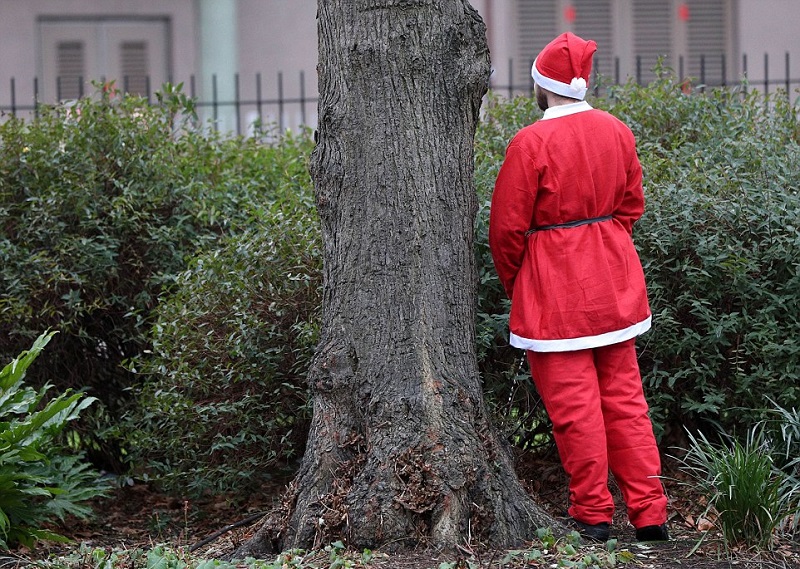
9	561
247	521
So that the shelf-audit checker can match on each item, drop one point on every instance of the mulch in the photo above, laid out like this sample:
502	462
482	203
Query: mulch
136	516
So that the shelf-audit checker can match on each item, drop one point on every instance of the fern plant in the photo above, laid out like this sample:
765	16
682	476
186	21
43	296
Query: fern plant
40	481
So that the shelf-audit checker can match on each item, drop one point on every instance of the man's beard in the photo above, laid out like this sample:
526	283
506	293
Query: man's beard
541	99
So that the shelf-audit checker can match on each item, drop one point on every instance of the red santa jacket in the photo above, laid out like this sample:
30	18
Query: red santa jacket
576	287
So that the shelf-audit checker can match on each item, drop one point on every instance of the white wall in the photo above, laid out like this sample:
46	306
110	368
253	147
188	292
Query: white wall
279	36
770	27
19	35
498	15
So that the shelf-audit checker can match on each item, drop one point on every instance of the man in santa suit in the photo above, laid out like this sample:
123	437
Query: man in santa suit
560	232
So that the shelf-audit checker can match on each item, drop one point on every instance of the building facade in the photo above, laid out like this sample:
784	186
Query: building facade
262	53
255	58
711	41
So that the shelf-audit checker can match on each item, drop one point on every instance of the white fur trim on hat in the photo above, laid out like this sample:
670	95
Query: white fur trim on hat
576	89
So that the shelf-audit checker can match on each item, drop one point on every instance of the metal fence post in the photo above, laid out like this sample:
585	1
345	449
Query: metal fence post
510	78
259	101
639	69
36	97
280	100
724	70
788	86
237	103
303	97
702	73
744	71
215	101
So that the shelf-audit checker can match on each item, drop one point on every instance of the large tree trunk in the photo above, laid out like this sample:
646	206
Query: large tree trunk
401	451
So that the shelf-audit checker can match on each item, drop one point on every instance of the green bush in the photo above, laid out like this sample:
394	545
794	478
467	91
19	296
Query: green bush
720	243
510	394
225	393
40	480
102	205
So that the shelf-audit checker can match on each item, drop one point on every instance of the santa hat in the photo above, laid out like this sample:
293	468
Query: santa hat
564	66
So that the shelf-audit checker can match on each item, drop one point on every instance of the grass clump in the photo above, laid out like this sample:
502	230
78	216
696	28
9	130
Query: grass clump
751	500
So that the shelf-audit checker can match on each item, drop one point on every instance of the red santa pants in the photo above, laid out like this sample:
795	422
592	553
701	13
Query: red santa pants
595	400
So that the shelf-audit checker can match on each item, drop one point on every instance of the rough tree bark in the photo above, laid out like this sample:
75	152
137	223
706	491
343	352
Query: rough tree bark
401	451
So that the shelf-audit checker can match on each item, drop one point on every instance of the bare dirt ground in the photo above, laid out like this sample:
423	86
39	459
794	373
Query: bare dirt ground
137	517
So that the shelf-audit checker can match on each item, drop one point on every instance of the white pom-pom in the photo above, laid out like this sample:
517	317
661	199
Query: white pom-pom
578	84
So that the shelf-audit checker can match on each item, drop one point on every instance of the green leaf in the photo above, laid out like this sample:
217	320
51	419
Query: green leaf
12	373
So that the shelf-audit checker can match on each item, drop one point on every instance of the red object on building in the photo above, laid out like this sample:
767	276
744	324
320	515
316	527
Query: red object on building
570	14
683	12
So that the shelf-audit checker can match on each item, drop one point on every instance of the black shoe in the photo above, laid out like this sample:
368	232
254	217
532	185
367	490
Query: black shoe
597	532
653	533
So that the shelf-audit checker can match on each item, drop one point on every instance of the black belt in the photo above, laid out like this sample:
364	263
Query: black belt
569	224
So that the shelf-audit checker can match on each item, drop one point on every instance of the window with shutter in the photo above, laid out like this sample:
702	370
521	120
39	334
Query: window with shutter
70	69
707	41
133	52
593	21
539	21
134	67
691	37
537	24
652	36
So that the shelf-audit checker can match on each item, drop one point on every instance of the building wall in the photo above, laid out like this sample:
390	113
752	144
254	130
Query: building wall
279	37
20	34
769	27
632	35
499	17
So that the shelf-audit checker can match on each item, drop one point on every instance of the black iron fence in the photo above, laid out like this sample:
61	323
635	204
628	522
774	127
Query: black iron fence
706	72
245	109
293	106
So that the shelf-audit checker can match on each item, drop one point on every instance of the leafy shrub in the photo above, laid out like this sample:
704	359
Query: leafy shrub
102	205
782	435
719	242
225	393
724	300
102	208
40	481
510	394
